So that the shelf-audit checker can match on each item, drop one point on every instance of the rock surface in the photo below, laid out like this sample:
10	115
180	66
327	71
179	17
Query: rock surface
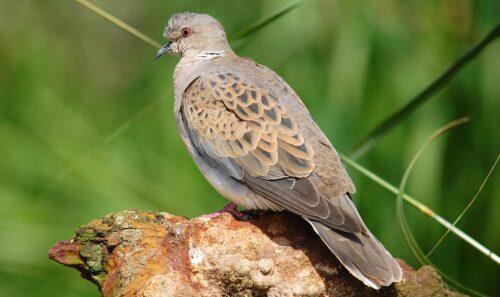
138	253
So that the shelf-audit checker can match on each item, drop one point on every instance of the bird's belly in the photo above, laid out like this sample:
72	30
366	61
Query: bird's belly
233	190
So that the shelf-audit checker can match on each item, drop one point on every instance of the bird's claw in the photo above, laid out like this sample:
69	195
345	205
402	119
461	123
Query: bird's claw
229	208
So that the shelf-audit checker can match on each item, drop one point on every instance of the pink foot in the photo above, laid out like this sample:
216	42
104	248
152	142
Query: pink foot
229	208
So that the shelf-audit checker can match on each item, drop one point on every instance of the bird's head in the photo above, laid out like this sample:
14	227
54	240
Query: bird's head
192	33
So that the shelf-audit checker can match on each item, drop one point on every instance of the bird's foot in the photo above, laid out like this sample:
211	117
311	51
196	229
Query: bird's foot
233	209
229	208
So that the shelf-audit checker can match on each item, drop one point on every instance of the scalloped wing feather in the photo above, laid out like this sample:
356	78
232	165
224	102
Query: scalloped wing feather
240	121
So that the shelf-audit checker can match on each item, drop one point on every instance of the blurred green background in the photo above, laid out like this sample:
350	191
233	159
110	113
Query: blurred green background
69	80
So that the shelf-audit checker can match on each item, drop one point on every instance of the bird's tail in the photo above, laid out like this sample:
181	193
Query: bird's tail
361	253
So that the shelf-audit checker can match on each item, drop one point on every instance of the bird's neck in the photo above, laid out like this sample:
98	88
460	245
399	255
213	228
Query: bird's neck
188	67
191	60
194	55
209	54
207	50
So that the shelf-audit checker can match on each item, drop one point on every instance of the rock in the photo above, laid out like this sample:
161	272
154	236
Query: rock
139	253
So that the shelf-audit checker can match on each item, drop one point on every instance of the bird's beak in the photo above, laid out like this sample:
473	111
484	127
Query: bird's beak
163	50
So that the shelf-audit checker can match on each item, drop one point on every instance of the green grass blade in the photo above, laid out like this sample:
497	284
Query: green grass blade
396	118
403	223
121	24
261	23
467	207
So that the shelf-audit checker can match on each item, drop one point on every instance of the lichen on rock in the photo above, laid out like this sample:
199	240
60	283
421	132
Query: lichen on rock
139	253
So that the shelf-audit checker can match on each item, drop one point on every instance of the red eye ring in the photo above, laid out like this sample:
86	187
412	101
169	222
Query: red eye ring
186	32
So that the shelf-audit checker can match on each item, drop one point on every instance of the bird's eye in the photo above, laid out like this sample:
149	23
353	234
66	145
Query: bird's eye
186	32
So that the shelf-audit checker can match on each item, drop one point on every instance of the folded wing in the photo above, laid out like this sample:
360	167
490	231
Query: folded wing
243	130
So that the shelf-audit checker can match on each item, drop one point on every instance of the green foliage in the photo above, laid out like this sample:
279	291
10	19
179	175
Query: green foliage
69	80
395	119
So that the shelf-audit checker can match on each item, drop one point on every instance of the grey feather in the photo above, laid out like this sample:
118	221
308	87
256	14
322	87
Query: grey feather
361	253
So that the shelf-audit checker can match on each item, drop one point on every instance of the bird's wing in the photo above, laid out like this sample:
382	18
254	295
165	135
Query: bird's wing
243	129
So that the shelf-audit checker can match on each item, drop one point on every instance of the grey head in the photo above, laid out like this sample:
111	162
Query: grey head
189	34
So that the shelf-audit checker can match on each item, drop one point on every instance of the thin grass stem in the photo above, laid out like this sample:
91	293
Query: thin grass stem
106	15
403	223
467	207
264	21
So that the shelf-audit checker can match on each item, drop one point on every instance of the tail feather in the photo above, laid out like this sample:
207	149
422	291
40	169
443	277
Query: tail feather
361	253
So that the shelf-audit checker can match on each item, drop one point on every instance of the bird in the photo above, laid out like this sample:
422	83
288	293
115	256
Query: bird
256	143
